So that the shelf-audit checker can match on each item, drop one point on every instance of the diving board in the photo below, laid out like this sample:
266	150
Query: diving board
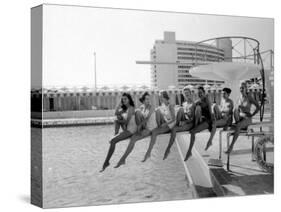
198	173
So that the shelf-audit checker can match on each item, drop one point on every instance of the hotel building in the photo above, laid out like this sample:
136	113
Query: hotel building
165	53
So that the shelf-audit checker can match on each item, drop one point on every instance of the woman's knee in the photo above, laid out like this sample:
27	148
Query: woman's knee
138	113
181	110
154	133
239	126
215	109
113	141
138	116
180	114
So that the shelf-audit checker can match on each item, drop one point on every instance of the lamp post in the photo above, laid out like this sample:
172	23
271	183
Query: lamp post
95	71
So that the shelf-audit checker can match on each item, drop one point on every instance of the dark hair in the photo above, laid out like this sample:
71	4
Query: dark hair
201	88
227	90
143	96
131	102
165	94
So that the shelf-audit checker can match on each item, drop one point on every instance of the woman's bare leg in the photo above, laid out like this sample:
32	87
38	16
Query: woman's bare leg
138	117
117	127
198	115
212	134
236	115
154	134
174	131
217	112
197	129
240	125
131	146
219	123
158	117
180	116
122	136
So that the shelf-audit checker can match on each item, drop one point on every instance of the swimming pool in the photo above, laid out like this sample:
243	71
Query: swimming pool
73	156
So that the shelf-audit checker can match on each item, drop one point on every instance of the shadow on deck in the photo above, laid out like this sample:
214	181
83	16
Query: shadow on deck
236	183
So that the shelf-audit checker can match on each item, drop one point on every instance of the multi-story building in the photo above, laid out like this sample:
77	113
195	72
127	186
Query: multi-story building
165	53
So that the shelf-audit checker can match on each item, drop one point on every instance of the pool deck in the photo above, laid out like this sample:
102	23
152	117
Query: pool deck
244	177
62	122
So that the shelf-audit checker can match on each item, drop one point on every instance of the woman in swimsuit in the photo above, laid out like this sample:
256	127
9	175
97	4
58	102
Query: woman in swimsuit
204	119
146	122
130	129
165	118
121	116
242	114
184	119
223	114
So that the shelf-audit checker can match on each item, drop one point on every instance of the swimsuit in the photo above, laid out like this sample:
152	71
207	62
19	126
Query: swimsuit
188	110
151	122
165	111
226	115
244	101
246	113
132	125
206	113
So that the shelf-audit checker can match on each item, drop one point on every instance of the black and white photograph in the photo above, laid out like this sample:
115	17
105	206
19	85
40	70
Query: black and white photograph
131	105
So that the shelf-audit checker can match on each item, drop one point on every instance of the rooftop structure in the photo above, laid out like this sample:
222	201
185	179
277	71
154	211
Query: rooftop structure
165	53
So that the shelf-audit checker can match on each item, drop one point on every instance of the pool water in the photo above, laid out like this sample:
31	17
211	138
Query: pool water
73	156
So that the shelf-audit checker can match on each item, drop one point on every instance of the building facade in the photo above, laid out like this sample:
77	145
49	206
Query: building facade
165	53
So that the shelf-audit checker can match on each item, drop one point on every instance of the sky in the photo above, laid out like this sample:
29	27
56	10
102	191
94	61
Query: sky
72	34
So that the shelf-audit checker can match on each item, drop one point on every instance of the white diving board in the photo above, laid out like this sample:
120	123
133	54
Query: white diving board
199	176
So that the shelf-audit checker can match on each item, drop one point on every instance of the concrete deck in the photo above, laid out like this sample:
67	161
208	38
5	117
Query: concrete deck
245	177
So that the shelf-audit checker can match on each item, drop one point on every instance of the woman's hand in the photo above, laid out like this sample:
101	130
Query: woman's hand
119	105
164	125
119	117
181	123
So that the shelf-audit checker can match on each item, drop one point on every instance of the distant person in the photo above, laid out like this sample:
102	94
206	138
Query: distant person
242	114
184	118
204	119
129	122
146	122
223	114
165	118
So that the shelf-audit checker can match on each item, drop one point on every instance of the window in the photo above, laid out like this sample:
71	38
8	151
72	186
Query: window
184	66
183	71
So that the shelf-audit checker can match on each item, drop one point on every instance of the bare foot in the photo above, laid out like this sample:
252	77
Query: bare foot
146	157
188	155
120	163
208	145
166	154
105	165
